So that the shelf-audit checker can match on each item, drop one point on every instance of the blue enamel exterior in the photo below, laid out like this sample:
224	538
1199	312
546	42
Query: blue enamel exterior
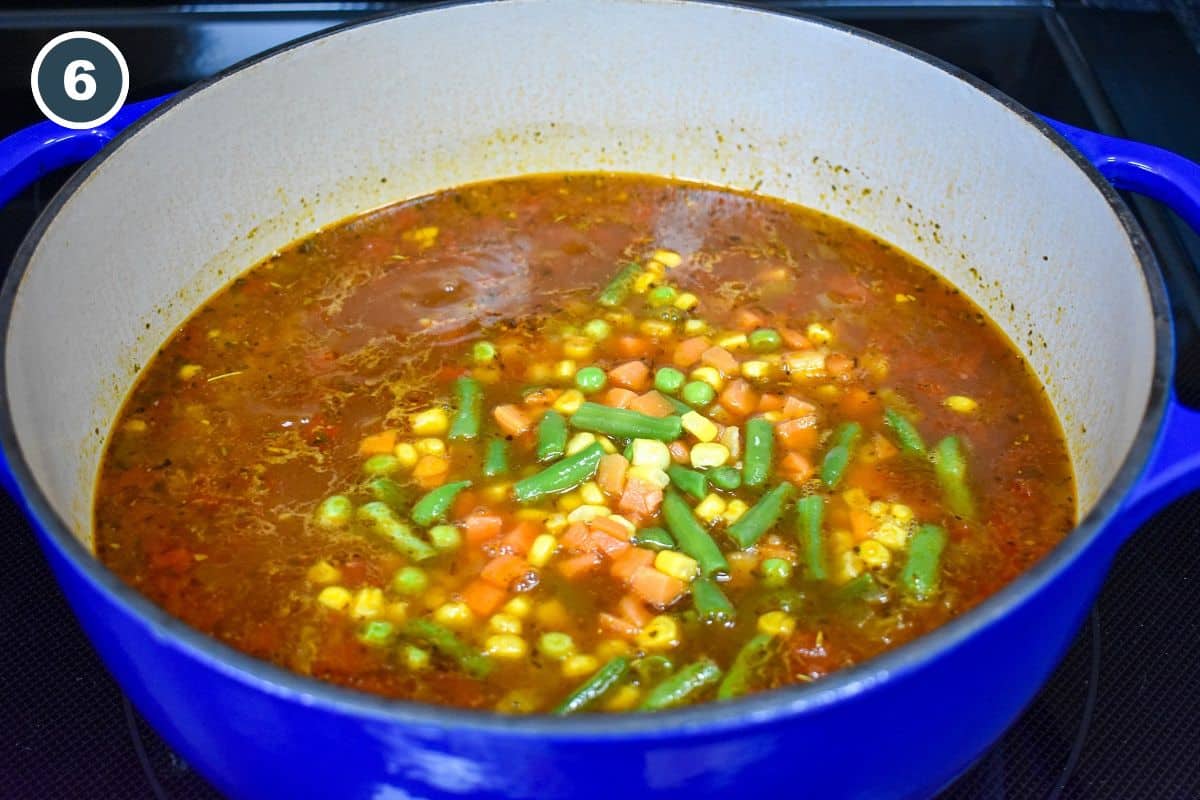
256	731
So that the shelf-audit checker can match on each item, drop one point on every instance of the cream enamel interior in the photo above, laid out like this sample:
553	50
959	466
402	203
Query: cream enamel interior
728	96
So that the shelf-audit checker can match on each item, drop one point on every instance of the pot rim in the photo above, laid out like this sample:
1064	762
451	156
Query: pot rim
707	718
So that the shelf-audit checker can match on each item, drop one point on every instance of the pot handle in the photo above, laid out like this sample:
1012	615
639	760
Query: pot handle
40	149
1174	467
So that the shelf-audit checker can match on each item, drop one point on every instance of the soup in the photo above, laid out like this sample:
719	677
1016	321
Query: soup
581	443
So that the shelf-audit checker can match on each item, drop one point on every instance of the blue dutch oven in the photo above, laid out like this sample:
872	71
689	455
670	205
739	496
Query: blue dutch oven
178	194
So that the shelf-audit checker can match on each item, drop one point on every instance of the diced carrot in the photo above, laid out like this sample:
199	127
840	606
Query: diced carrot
505	570
631	608
619	398
542	397
611	474
858	403
794	339
611	527
770	402
688	351
512	419
653	404
607	544
624	564
615	625
861	523
575	566
632	375
378	444
577	538
722	360
881	448
796	468
656	588
483	598
431	471
797	434
838	364
679	452
742	564
466	502
640	499
794	408
480	528
739	398
630	346
747	319
774	547
521	537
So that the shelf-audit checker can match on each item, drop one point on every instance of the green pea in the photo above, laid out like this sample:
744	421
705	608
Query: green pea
376	633
335	512
382	464
590	379
727	478
556	645
483	352
669	380
661	296
410	580
415	658
597	329
698	394
776	572
445	537
765	340
669	314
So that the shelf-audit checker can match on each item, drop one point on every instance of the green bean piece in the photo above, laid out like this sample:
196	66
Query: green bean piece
837	458
495	458
469	396
760	449
653	539
335	511
759	518
601	683
680	407
711	603
551	437
910	438
618	288
376	633
727	478
683	686
669	380
951	467
690	536
561	476
864	587
688	480
750	659
434	506
698	394
386	490
626	424
810	513
923	567
383	521
652	668
442	639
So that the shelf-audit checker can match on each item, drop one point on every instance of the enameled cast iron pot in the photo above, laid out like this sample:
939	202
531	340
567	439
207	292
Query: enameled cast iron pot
946	168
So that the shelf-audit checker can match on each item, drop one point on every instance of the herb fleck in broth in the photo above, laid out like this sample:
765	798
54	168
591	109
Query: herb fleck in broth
714	444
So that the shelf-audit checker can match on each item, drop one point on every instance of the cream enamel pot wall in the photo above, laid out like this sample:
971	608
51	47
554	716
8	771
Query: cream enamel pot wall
216	178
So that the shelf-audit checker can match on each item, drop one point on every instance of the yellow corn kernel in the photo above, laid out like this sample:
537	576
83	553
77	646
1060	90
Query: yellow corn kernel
532	514
818	334
569	502
699	426
611	648
336	598
733	341
497	492
668	258
877	509
424	236
856	498
624	698
580	442
658	268
431	422
431	447
569	402
873	554
657	328
455	615
686	301
591	494
847	566
904	298
406	454
619	316
804	364
626	524
960	403
542	549
504	623
902	512
579	348
565	370
710	508
677	565
649	474
709	454
323	572
773	416
587	513
695	327
606	444
506	646
651	452
660	633
135	426
756	370
734	510
552	614
556	523
731	437
776	623
396	612
642	283
579	666
368	603
538	372
892	535
488	373
710	375
434	596
189	371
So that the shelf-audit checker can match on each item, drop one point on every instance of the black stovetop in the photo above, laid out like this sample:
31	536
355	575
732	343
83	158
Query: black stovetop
1119	719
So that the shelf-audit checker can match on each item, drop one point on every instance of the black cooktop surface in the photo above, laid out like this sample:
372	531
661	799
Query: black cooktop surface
1119	717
